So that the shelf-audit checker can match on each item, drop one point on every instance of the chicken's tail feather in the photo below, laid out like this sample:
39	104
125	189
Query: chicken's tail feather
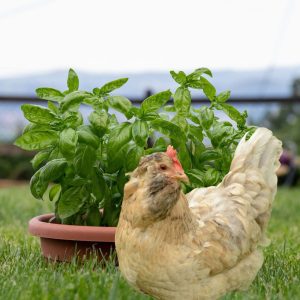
261	151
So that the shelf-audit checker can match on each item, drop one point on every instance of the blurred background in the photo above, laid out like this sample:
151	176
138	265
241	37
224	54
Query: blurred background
251	46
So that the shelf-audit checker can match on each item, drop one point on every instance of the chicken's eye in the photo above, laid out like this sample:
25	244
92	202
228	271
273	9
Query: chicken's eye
163	167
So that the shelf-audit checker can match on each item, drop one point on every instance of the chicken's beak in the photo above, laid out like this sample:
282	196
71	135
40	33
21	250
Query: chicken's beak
182	177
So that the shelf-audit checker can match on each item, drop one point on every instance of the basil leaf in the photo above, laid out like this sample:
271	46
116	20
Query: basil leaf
209	155
169	129
201	71
53	169
36	127
37	186
208	89
206	117
49	94
73	81
184	156
179	77
119	138
93	217
155	102
233	114
223	97
67	142
111	86
182	100
211	177
54	192
99	120
36	140
71	201
55	153
87	136
53	107
98	185
133	158
169	108
73	100
196	176
140	132
181	122
38	114
40	157
72	119
121	104
84	160
195	84
195	133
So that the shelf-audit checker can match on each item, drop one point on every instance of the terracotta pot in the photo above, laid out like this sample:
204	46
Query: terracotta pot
62	242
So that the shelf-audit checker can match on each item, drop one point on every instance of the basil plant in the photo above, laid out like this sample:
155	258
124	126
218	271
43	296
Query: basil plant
82	167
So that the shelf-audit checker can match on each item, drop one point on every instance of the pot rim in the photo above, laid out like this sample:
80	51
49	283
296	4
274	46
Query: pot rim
39	226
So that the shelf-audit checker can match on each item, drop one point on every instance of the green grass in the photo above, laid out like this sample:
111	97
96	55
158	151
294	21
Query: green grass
24	274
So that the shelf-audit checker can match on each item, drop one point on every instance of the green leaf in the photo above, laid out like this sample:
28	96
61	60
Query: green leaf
184	156
93	217
121	104
233	114
87	136
38	114
36	140
155	102
211	177
140	132
201	71
40	157
73	100
37	186
182	100
208	89
98	185
99	120
206	117
54	192
111	86
195	133
179	77
196	177
49	94
85	157
133	157
71	201
169	108
180	121
136	111
67	142
73	81
53	169
195	84
72	119
223	97
53	107
36	127
169	129
209	155
119	138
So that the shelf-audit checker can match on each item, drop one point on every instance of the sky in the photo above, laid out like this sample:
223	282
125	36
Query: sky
143	36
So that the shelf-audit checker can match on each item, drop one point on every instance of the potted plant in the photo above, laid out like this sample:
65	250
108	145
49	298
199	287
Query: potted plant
86	164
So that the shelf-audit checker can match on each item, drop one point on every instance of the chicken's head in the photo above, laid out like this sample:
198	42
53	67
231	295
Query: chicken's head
160	174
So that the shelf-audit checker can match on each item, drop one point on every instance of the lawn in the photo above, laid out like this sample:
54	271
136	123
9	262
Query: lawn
24	274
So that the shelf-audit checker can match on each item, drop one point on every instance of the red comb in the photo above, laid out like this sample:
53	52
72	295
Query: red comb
172	153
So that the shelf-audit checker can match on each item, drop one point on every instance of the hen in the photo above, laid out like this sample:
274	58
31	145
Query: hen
203	244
